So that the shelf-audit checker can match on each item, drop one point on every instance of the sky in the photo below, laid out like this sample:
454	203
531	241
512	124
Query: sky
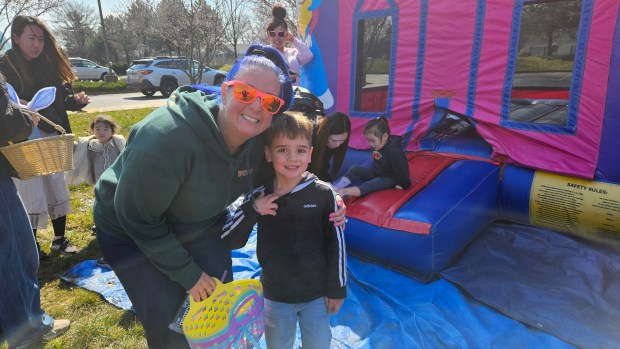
107	6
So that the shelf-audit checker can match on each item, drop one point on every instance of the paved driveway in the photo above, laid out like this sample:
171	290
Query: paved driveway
123	101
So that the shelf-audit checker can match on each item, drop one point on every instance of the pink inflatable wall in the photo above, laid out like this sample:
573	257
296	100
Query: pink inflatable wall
466	51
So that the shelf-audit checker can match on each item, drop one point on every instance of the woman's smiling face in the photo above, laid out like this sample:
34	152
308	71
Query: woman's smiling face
277	41
249	120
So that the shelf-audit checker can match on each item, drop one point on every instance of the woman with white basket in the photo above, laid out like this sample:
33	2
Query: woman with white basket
36	61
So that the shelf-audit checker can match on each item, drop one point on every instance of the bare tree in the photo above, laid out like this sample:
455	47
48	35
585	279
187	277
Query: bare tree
11	8
75	22
547	20
190	28
262	16
236	16
120	41
138	21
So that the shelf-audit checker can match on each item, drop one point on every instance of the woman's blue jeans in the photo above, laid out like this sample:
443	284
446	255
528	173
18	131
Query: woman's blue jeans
155	297
21	318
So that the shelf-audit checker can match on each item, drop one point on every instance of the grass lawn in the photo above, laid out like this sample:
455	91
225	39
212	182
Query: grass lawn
95	323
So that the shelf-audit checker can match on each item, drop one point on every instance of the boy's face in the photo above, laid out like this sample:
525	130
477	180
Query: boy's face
290	157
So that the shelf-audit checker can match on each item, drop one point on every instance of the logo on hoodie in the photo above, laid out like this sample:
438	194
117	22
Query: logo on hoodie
244	173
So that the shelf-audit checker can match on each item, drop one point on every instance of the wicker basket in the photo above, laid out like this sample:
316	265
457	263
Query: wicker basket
42	156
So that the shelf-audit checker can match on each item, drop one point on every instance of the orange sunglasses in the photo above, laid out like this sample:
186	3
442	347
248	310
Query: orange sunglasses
245	93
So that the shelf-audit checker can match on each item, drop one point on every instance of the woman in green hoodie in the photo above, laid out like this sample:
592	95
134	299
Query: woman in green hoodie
159	209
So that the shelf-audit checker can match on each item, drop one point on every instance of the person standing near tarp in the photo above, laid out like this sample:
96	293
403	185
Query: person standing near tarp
23	323
36	61
278	36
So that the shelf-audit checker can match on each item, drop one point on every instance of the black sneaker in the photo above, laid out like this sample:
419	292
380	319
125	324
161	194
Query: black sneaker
62	245
101	262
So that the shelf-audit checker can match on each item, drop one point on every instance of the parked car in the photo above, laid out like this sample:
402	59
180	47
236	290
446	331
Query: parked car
88	70
165	74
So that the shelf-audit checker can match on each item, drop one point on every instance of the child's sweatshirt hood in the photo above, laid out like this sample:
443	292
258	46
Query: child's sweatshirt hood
307	178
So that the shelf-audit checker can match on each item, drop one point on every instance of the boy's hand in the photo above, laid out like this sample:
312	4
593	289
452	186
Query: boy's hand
264	205
333	305
339	217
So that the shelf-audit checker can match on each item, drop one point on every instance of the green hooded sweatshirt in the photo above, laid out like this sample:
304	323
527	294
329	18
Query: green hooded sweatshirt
173	182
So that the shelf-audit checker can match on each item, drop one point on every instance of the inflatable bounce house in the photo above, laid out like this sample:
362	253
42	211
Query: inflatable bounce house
510	115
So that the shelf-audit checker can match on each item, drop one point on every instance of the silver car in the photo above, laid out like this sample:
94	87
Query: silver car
165	74
86	69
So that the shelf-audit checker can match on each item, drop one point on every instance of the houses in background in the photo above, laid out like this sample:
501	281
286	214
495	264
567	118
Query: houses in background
226	54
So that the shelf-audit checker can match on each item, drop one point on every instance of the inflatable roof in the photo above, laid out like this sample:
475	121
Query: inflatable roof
536	78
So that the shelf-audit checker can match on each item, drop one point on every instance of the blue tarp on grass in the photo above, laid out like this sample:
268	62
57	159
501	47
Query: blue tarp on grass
551	281
384	309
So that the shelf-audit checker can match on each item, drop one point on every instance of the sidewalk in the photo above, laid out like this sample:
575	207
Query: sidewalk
123	101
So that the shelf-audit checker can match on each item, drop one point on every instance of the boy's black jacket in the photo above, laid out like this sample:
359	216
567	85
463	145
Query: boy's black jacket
301	253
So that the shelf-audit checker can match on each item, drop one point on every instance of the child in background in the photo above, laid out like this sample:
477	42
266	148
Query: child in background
302	253
389	166
330	143
94	154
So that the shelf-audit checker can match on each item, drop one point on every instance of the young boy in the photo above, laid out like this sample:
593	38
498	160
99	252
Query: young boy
302	253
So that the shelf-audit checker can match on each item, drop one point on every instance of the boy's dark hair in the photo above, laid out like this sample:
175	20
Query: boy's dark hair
107	120
377	127
289	124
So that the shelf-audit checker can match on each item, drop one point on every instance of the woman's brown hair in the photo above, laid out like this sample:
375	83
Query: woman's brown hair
57	64
279	18
333	124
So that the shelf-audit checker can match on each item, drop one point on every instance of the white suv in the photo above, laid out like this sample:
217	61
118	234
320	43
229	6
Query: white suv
88	70
165	74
